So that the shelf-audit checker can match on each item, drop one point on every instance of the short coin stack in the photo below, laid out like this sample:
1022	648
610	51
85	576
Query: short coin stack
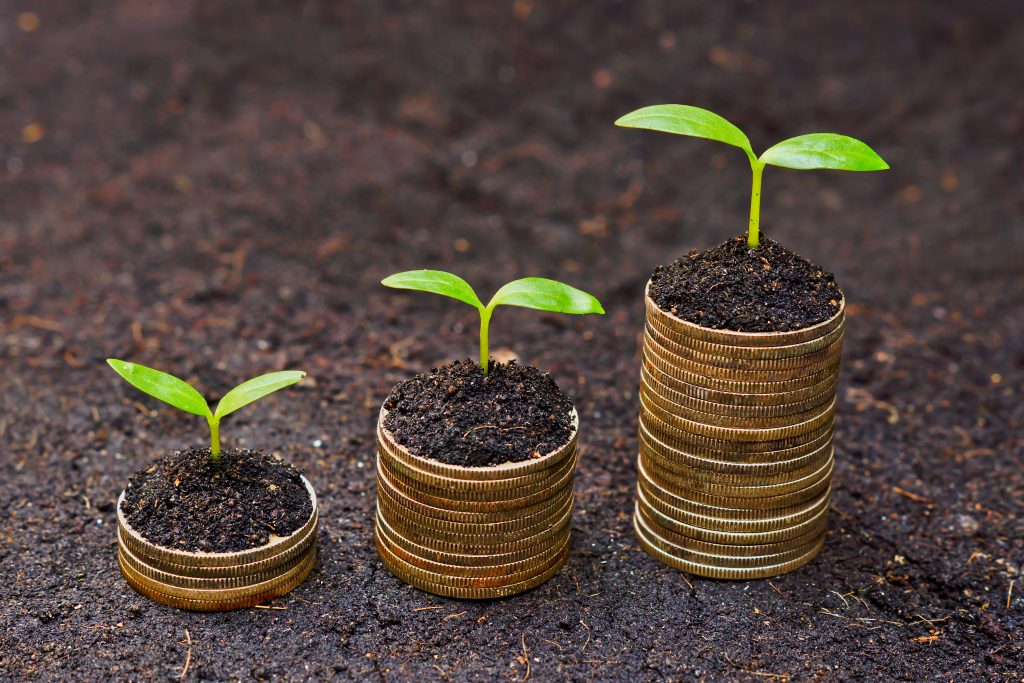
473	532
735	439
217	582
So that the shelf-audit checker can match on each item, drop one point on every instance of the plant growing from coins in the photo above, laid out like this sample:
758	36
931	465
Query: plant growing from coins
532	292
184	396
815	150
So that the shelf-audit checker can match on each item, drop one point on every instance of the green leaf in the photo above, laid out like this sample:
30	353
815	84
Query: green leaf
683	119
436	282
167	388
545	295
824	150
255	389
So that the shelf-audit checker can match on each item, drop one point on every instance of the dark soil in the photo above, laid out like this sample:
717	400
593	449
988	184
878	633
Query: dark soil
186	501
457	415
733	287
220	187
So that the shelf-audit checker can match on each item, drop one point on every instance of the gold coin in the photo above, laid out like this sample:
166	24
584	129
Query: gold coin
490	556
743	512
751	386
403	470
660	397
685	352
741	465
474	501
713	572
685	467
302	543
474	545
266	573
799	544
683	531
409	523
659	350
417	581
663	473
504	471
525	566
268	586
751	352
765	522
772	399
277	545
656	424
736	433
495	514
219	605
771	415
410	516
404	571
794	498
691	553
739	453
733	338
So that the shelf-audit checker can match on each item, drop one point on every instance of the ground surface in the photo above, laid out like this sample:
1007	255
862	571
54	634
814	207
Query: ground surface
217	190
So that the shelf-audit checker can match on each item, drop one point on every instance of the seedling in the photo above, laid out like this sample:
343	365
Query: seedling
531	292
816	150
184	396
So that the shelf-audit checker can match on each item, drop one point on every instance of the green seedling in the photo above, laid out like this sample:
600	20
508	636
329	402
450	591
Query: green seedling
816	150
531	292
184	396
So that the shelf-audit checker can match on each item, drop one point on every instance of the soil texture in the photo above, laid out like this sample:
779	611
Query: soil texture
220	186
457	415
186	501
733	287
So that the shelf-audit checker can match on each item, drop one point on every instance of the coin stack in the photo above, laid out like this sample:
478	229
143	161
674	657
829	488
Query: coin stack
473	532
217	582
735	441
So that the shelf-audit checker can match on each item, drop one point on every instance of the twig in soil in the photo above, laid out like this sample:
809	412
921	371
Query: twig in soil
776	589
500	429
188	656
455	615
423	609
276	608
912	496
1009	594
862	619
526	655
584	648
765	674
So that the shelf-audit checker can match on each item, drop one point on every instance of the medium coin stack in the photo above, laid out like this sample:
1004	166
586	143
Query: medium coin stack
473	532
217	582
735	464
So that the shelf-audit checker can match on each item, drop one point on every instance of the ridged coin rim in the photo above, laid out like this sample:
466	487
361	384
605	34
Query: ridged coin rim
750	386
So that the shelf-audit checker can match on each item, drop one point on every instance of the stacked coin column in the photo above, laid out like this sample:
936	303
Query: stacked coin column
217	582
735	441
473	532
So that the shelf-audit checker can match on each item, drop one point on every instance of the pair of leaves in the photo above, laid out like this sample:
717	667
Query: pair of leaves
184	396
816	150
532	292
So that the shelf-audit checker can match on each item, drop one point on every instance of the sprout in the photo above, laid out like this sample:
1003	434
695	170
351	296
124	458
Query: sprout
183	395
816	150
531	292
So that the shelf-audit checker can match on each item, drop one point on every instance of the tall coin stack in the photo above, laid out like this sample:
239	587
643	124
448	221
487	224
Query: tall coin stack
735	464
473	532
217	582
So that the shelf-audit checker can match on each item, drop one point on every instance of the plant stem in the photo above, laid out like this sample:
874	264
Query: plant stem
754	229
485	321
214	439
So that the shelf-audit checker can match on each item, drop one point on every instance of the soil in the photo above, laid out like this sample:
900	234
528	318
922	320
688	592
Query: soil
219	187
733	287
457	415
186	501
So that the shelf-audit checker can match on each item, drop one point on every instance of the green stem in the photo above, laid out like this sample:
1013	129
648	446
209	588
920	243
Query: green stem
485	321
214	438
754	229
